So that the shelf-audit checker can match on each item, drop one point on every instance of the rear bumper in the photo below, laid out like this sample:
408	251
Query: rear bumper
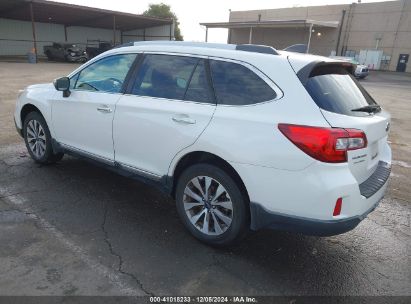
262	218
303	201
372	191
376	181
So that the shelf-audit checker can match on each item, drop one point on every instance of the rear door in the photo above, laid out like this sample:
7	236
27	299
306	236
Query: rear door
344	103
166	108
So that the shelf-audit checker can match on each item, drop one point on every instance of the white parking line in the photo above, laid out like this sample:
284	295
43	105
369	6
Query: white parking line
124	287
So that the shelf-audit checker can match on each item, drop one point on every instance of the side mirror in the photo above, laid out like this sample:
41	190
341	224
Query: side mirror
63	84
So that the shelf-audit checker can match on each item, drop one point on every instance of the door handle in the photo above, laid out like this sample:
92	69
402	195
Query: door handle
104	109
183	118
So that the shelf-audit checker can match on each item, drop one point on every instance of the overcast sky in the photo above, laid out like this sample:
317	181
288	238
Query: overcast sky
191	12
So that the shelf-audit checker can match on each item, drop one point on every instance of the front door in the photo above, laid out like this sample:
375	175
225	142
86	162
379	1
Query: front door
84	120
168	107
402	62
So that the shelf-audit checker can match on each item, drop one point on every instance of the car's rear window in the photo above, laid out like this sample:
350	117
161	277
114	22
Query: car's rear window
335	90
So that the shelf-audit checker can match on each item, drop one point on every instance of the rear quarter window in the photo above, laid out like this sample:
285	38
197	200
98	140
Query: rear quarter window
337	91
235	84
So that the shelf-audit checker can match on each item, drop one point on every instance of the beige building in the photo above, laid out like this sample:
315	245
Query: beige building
376	34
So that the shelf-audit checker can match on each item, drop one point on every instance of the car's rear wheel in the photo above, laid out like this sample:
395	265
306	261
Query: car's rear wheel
38	139
211	205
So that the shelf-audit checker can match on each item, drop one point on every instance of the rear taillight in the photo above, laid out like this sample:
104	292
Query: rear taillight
325	144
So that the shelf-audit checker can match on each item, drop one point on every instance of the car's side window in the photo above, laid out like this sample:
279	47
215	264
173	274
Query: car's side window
235	84
164	76
199	88
105	75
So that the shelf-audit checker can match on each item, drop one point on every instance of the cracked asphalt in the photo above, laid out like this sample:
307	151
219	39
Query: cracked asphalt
77	229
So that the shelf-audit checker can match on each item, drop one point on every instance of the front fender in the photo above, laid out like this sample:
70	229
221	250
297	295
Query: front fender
39	96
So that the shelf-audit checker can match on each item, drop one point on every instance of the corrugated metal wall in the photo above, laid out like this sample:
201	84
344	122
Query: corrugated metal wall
16	36
152	33
80	34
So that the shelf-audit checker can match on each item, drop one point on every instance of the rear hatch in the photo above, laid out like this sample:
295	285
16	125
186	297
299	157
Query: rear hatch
344	103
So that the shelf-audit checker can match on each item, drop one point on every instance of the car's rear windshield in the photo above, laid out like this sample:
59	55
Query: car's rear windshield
335	90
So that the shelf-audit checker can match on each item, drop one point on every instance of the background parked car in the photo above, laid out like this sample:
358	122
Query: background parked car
361	71
96	47
66	52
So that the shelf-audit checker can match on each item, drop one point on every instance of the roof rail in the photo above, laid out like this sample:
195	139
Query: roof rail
264	49
181	43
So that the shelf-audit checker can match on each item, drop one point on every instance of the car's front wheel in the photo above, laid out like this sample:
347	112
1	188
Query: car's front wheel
211	205
38	139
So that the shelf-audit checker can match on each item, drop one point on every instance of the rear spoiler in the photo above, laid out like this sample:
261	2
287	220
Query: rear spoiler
323	67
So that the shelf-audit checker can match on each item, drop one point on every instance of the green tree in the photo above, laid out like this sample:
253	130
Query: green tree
164	11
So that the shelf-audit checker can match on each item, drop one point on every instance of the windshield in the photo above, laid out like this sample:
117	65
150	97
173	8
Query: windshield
338	92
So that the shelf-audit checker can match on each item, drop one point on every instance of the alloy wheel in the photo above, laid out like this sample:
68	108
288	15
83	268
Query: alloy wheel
208	205
36	138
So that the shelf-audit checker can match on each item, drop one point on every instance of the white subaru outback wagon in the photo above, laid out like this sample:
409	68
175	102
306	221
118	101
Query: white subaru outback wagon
243	137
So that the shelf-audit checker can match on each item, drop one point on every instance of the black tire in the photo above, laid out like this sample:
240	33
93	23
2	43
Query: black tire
48	156
240	205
